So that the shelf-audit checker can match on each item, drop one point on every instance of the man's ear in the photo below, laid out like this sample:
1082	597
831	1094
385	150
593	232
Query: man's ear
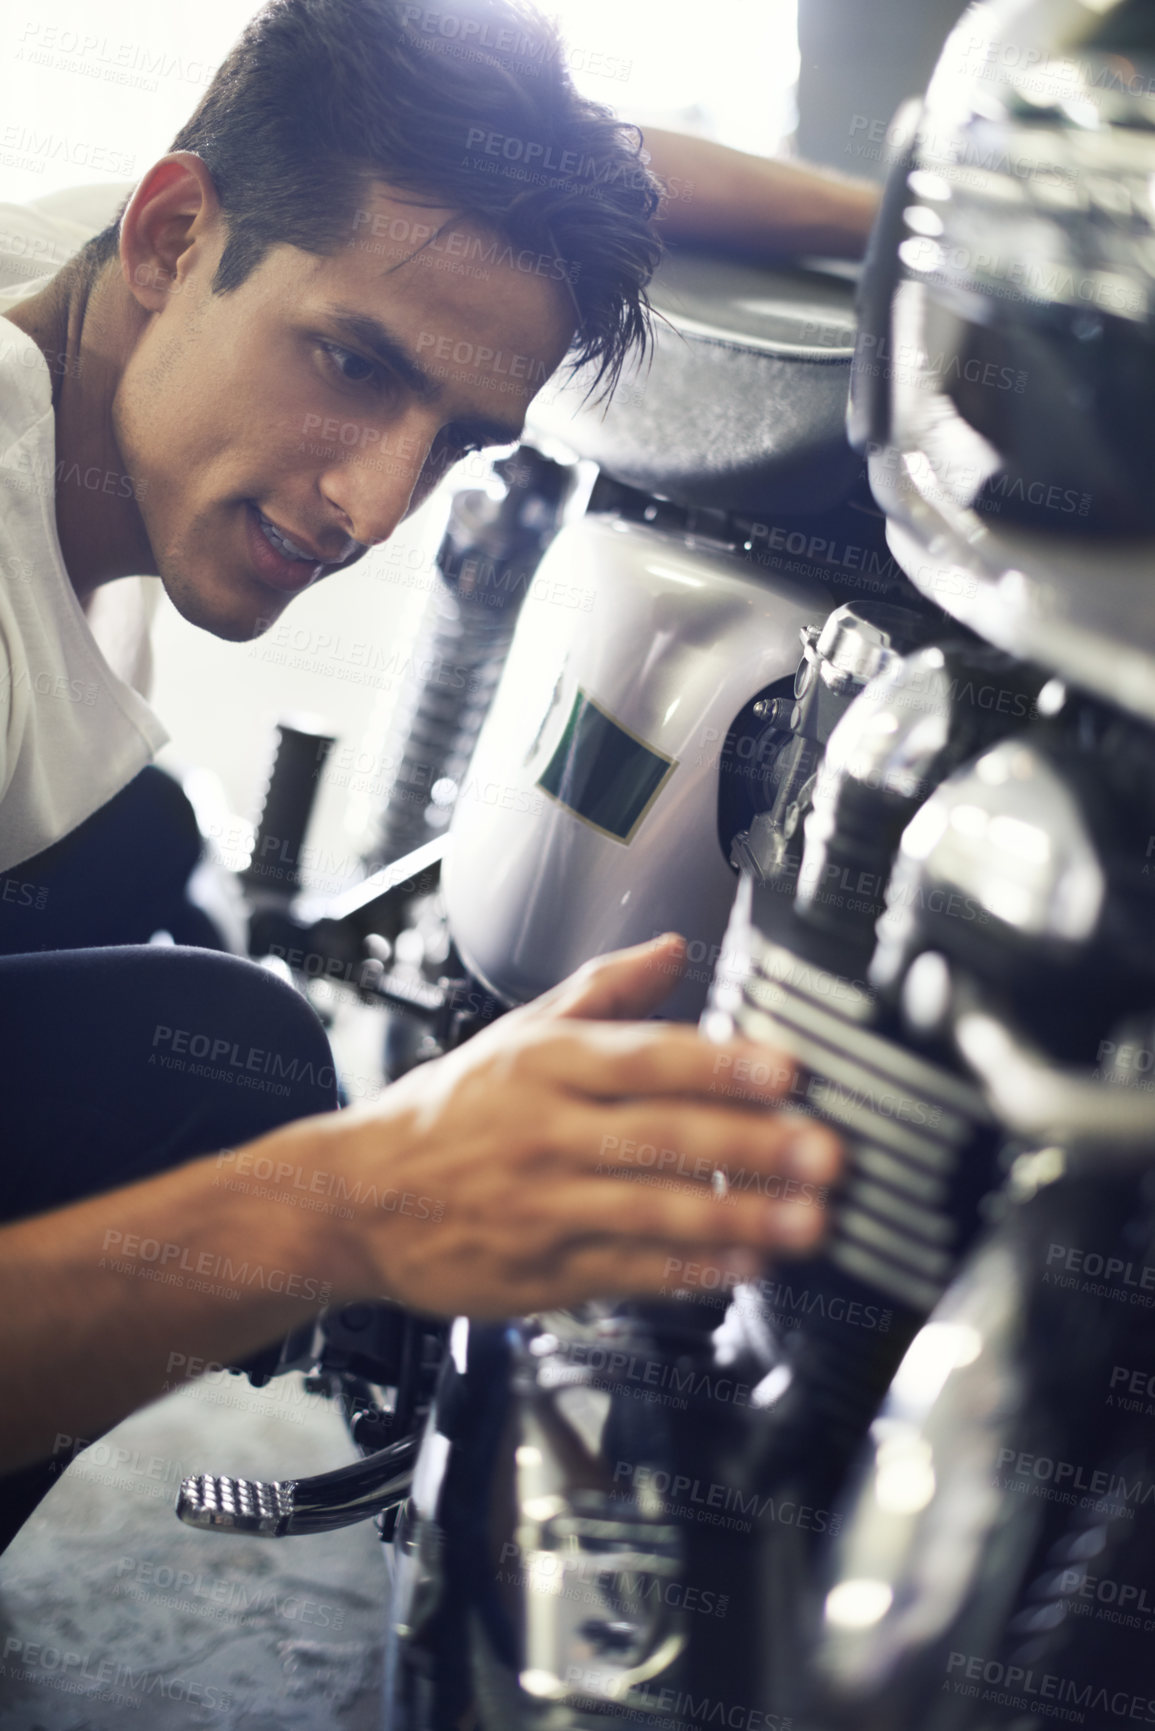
169	219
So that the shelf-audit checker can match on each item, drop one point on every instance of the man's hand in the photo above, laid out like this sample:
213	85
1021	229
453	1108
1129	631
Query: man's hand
561	1155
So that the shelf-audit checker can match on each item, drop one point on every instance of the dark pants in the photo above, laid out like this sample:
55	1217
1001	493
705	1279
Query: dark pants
118	1062
117	879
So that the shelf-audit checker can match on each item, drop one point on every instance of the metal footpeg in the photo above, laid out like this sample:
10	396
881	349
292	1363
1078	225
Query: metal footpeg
237	1505
288	1507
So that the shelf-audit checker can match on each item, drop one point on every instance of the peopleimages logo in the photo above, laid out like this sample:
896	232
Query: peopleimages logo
481	356
584	1579
882	357
672	1707
701	1500
169	1263
1123	1602
1067	1481
41	1662
1104	1276
541	157
620	1371
1023	1686
222	1052
142	1578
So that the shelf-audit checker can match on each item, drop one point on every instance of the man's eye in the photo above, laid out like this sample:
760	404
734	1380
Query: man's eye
352	368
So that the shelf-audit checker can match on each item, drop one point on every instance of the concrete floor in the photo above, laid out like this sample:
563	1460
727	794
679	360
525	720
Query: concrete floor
114	1615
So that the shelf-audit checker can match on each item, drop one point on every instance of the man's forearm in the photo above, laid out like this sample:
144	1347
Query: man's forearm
493	1182
724	197
99	1300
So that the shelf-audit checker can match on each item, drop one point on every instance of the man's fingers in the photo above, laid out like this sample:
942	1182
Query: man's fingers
627	983
679	1216
605	1061
690	1142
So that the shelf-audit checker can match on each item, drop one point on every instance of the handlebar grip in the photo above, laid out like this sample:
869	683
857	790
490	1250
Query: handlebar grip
303	745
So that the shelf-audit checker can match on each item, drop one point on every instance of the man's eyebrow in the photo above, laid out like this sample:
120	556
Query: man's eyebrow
370	334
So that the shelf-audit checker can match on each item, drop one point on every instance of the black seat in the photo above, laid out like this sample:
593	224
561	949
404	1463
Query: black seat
743	406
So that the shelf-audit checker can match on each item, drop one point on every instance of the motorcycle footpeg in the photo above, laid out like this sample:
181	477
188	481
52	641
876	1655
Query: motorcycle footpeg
283	1508
237	1505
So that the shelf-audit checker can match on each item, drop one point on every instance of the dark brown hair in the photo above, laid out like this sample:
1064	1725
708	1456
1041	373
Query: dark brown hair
470	108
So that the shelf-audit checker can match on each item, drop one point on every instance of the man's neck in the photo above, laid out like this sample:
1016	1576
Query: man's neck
86	330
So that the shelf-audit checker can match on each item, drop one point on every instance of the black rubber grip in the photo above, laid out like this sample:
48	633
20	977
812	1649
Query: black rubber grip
298	763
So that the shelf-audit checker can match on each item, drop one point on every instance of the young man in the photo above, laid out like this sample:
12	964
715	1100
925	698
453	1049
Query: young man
297	255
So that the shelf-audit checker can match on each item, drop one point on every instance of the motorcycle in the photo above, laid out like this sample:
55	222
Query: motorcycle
889	769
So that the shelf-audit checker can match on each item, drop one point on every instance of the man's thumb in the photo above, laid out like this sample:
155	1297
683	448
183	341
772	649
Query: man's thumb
626	984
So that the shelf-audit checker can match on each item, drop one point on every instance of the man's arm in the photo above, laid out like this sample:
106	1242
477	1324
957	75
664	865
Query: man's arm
504	1178
98	1298
724	197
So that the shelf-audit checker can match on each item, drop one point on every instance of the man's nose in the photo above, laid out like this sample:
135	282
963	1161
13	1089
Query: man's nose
371	490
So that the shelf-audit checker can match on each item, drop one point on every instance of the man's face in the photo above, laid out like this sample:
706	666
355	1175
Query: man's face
308	411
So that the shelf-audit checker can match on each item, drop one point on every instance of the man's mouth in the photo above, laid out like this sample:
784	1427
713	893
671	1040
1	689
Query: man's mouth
282	543
278	560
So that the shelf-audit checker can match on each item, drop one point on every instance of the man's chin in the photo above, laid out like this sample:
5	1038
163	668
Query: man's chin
235	618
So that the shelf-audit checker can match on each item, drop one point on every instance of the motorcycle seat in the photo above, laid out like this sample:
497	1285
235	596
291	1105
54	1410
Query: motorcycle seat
742	407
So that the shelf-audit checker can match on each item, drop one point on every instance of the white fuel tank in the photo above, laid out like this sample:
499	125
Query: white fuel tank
588	817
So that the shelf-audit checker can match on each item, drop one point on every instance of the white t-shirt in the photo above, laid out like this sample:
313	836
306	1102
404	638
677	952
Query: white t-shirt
72	731
35	240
